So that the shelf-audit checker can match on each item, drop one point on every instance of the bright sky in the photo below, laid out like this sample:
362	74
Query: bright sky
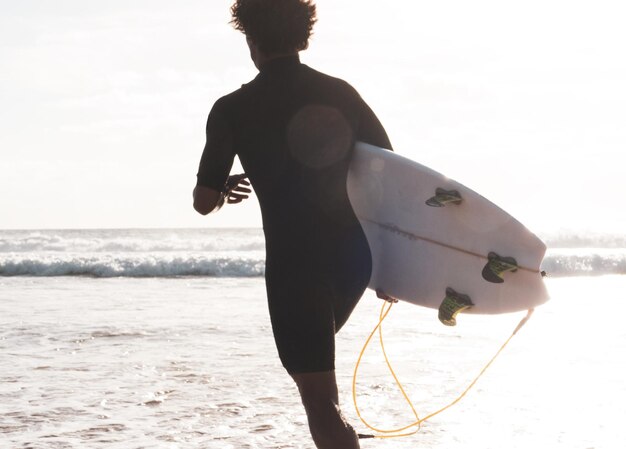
103	104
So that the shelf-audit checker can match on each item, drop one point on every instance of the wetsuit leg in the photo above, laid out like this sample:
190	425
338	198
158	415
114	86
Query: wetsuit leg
352	269
310	303
303	322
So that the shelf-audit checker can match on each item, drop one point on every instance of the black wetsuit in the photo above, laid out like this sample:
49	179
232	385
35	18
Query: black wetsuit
294	129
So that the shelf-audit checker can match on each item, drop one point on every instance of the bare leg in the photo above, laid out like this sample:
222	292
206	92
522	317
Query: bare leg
320	398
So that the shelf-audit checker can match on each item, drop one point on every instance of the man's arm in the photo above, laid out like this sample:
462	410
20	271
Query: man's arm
217	159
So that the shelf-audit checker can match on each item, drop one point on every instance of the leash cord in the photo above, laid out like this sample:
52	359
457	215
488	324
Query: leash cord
400	431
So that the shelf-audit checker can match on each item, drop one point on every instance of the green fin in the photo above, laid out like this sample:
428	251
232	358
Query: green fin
444	197
497	266
452	305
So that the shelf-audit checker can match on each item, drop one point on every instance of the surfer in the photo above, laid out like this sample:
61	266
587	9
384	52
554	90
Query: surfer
293	129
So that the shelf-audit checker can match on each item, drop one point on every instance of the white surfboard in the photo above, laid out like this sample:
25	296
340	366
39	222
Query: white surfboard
438	244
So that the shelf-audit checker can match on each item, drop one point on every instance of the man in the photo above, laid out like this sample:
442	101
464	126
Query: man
294	130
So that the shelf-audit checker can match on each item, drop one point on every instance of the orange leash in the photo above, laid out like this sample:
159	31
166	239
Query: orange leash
401	431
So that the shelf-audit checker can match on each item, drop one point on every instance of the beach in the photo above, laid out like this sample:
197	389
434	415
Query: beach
135	354
114	336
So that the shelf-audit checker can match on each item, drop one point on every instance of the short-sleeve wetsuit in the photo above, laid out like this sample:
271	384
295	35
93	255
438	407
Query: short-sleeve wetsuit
294	129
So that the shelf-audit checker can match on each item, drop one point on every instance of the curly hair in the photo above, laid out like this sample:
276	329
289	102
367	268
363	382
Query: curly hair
275	26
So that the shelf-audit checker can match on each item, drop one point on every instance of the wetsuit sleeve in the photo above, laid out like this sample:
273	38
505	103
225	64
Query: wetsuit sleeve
371	130
218	155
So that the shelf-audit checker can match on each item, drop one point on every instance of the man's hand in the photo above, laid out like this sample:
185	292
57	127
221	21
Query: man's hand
207	200
236	189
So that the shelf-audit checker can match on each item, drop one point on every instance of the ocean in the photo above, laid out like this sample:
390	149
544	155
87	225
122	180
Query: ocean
161	339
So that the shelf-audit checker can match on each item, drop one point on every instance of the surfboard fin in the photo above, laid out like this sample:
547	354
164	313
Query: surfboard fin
444	197
452	305
497	266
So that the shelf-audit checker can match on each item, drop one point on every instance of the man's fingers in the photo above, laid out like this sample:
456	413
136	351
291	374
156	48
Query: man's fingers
230	185
234	198
237	195
235	180
236	189
238	178
238	184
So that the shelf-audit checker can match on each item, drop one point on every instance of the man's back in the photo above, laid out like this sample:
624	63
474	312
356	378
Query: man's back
294	129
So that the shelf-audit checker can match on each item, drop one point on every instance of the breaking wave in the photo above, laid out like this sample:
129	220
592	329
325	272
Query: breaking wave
132	266
588	263
231	253
166	265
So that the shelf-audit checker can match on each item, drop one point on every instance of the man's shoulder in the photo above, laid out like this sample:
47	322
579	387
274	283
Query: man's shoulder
330	80
233	99
235	95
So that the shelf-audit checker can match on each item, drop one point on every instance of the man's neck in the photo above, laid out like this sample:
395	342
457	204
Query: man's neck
263	59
